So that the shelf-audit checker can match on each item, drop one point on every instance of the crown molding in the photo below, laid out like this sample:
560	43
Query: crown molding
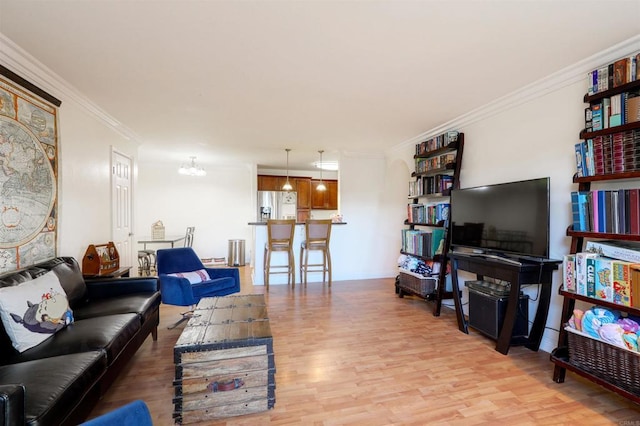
556	81
16	59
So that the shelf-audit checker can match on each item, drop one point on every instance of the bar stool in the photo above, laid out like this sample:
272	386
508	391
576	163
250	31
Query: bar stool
280	238
317	236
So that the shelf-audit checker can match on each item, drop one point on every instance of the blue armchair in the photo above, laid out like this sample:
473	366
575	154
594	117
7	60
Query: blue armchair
180	291
135	413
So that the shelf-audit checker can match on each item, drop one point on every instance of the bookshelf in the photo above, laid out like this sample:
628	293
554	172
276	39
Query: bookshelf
426	234
621	169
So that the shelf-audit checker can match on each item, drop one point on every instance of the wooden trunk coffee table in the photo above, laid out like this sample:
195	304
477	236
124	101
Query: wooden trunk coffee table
224	360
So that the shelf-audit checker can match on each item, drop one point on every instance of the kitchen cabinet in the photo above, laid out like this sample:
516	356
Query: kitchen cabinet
324	200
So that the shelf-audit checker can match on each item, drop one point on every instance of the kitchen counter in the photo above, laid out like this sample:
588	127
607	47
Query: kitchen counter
338	254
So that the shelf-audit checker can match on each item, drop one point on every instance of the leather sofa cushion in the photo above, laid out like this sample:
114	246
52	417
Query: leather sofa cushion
111	333
54	386
70	276
144	305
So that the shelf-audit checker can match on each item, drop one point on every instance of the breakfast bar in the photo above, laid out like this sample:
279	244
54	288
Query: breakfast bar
260	239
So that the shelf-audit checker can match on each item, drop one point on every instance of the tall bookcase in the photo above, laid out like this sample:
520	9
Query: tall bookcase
618	171
438	162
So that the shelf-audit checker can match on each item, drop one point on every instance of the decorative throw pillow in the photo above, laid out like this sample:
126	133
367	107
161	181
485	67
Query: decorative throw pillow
193	277
34	310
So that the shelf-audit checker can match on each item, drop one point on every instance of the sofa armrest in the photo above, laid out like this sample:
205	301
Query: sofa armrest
113	287
12	404
223	273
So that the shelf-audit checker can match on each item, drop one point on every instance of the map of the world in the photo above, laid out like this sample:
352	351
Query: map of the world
27	179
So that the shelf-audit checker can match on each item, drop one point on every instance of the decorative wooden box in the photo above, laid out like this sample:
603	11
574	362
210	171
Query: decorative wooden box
224	360
100	259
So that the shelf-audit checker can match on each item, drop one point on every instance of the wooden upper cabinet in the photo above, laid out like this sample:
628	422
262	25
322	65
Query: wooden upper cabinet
274	183
303	188
269	183
324	200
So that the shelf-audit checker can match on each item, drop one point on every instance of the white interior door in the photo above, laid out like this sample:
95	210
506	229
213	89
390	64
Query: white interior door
121	167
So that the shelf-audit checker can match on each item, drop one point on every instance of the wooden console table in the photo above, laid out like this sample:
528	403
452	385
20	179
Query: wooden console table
121	272
517	274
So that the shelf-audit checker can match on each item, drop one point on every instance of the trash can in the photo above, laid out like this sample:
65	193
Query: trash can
236	253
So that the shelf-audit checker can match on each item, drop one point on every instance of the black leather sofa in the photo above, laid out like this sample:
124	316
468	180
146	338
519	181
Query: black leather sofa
59	381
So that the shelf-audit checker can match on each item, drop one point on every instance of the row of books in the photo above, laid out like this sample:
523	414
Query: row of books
425	243
433	214
437	142
606	270
608	154
434	163
617	110
609	211
426	185
615	74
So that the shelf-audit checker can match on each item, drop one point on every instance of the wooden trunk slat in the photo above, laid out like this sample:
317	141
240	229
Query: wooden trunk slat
194	357
194	385
233	365
203	400
225	411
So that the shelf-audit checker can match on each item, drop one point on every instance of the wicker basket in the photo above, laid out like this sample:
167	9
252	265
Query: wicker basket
157	230
611	363
417	283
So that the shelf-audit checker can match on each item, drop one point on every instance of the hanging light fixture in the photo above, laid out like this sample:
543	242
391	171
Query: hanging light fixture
321	186
192	169
287	186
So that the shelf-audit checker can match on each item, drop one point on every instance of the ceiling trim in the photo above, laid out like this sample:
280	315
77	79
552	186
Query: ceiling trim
564	77
16	59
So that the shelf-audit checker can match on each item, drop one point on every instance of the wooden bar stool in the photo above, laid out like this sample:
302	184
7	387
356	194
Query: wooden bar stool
317	236
280	238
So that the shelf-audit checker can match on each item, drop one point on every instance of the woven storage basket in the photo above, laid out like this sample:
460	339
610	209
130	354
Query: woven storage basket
157	231
611	363
417	283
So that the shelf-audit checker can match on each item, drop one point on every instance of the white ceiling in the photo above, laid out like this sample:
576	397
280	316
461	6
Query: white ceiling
242	80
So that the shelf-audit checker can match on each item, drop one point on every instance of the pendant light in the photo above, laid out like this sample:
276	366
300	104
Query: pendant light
321	186
192	169
287	186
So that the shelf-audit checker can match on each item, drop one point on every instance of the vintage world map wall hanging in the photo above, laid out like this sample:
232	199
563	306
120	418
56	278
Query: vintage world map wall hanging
28	175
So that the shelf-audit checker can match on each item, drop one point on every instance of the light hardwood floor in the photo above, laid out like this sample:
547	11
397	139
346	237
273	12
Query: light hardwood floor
357	354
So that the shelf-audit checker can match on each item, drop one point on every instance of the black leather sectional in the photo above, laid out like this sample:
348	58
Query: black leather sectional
59	381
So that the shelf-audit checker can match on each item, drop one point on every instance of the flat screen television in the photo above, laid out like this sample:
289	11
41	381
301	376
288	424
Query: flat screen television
507	219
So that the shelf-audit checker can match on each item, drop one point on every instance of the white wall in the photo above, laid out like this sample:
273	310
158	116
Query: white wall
220	205
85	180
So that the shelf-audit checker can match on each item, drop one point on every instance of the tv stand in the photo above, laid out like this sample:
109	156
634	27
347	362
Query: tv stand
498	257
517	273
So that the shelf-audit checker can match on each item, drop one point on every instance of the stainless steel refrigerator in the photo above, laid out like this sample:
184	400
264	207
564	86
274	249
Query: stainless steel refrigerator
276	205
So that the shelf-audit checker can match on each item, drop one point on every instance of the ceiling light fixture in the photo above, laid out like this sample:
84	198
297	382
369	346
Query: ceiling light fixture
321	186
192	169
287	186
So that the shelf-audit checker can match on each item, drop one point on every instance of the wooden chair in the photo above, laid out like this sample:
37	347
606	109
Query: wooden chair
280	238
317	237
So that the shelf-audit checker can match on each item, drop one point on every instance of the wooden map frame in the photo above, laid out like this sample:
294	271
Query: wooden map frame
27	112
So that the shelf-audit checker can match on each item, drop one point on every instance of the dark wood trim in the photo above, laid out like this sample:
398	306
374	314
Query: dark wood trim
29	86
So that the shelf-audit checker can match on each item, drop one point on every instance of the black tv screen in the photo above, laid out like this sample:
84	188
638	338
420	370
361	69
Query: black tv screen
507	218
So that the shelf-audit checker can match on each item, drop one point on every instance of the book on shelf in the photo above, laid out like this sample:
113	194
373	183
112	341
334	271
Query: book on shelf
579	212
569	272
622	250
581	271
620	69
603	283
632	109
621	286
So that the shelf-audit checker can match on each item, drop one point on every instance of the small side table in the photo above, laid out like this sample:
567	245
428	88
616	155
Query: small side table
122	272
